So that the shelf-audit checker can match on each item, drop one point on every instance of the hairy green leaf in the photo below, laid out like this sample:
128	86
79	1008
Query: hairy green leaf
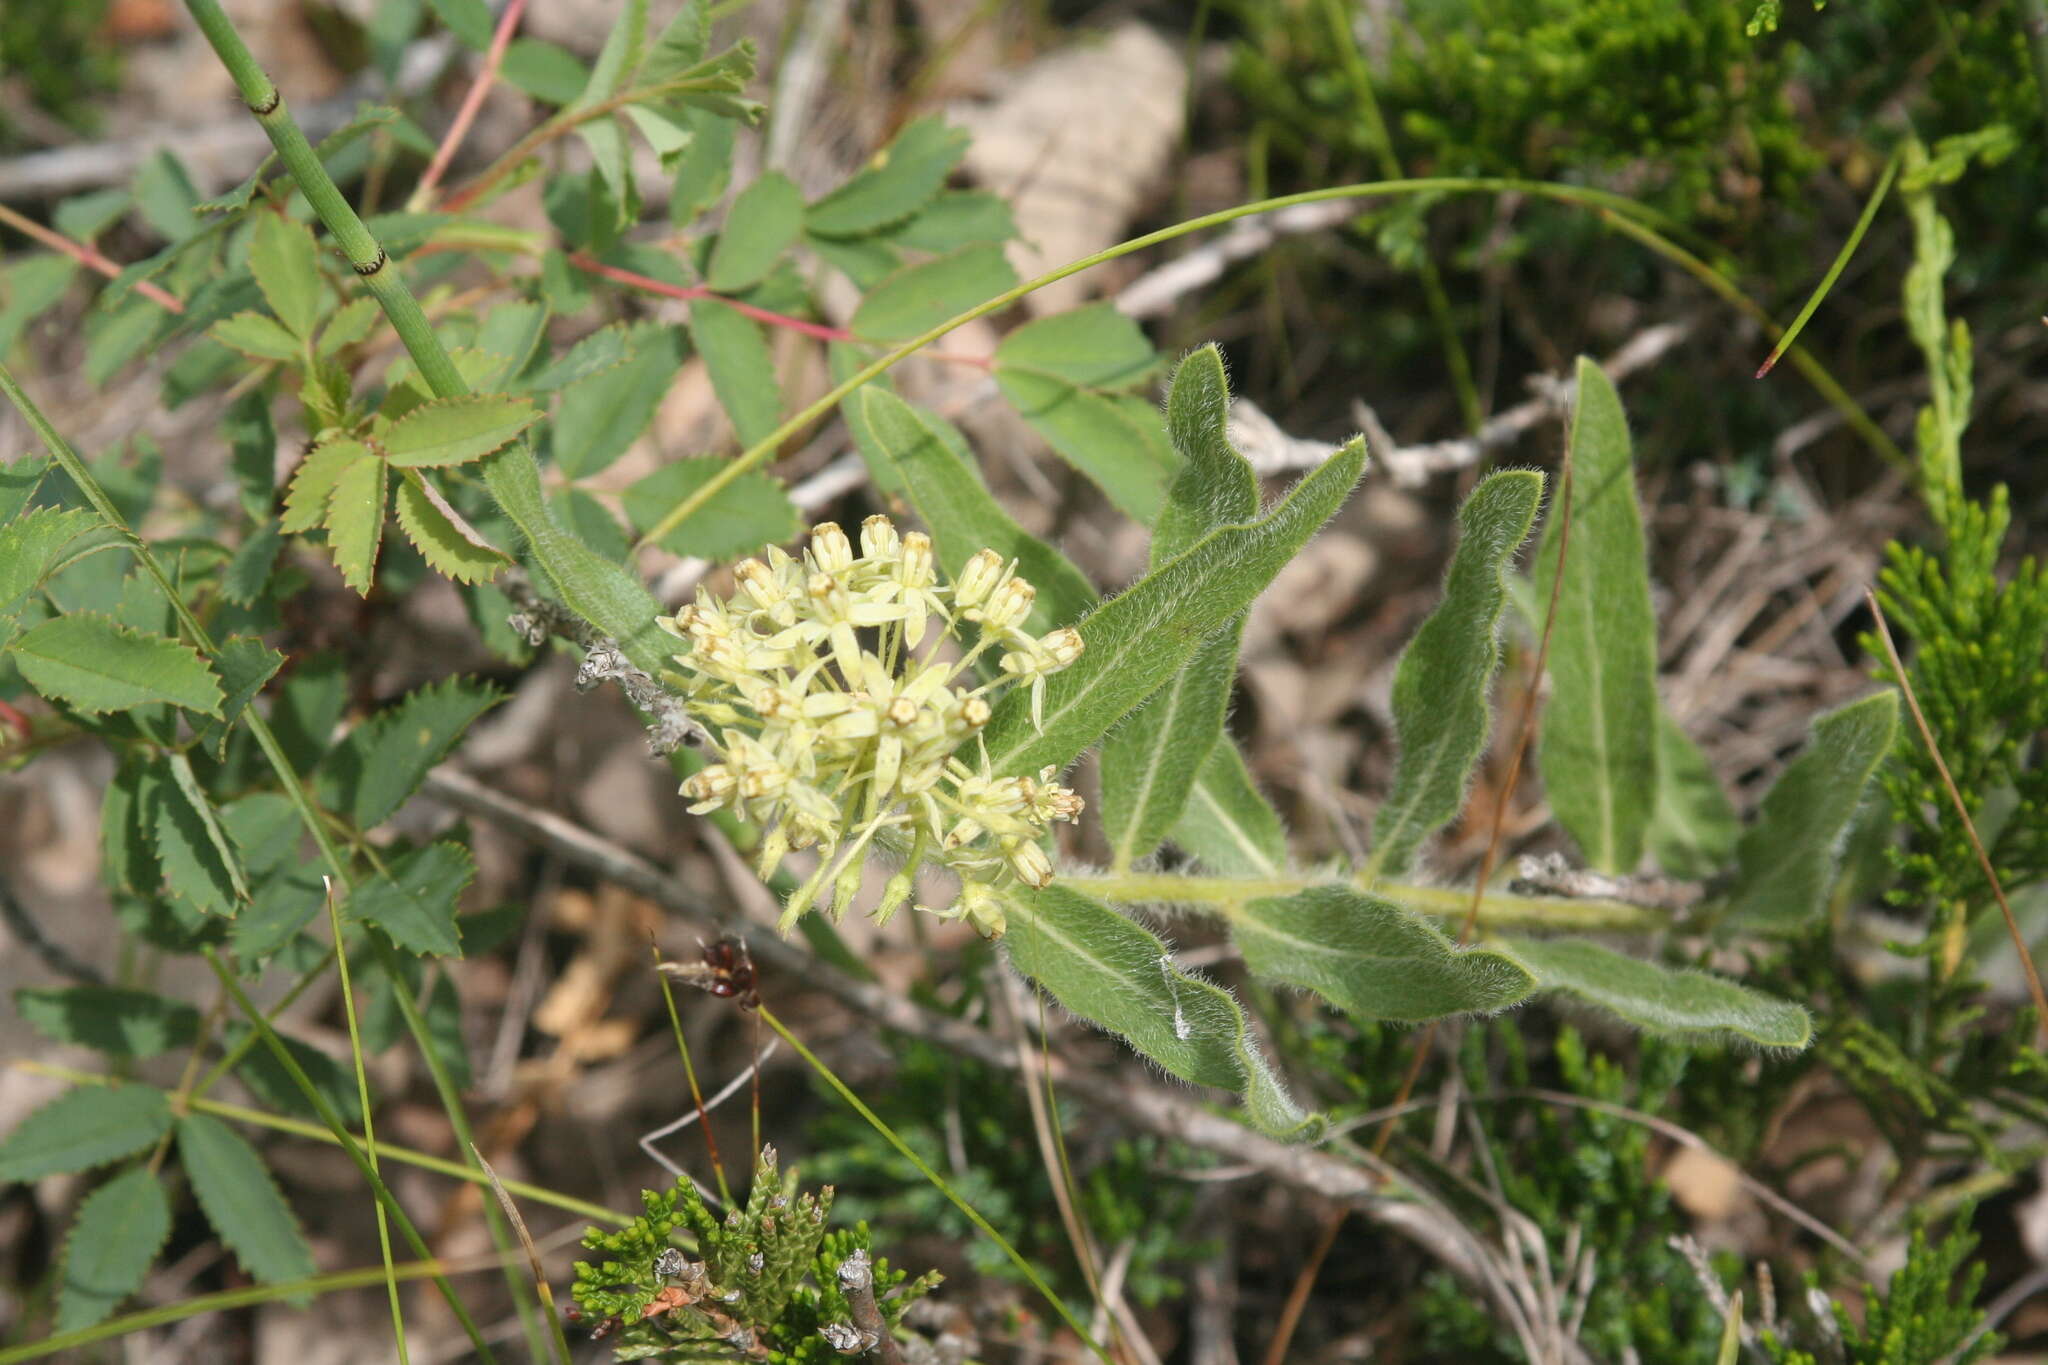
1441	716
911	445
109	1019
625	46
414	902
742	369
1660	999
370	774
94	664
242	1201
1786	860
287	269
1228	825
907	174
1371	958
1599	739
83	1128
705	167
1150	762
602	349
1137	641
1121	977
1694	827
445	431
762	223
920	297
355	521
121	1227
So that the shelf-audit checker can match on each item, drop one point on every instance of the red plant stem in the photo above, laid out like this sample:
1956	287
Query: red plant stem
584	261
86	256
20	723
501	38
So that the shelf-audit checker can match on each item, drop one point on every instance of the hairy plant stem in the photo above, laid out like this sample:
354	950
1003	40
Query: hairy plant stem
1496	910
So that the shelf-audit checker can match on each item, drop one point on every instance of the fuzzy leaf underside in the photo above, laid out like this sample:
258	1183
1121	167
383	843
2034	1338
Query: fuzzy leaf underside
1151	762
1372	958
1120	976
1662	1000
1441	716
1787	858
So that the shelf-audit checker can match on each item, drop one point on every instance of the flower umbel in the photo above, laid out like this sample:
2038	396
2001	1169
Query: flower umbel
842	720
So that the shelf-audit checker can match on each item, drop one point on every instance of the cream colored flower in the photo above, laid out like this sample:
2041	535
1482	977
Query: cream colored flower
839	727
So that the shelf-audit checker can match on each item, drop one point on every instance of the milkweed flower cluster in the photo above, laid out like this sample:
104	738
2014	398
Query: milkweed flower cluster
845	704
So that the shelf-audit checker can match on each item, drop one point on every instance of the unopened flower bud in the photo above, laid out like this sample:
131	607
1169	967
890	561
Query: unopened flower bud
709	787
978	578
1062	646
916	570
1010	604
1028	861
980	906
830	548
878	539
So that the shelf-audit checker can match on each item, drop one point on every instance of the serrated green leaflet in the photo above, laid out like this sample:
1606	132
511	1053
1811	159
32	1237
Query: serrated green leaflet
348	325
29	546
109	1019
1371	958
312	486
601	350
764	221
201	863
1786	860
921	296
1151	761
248	571
1121	977
1137	641
414	902
450	545
258	337
1694	828
384	760
953	219
83	1128
1441	716
1095	434
911	170
624	48
746	514
245	665
287	269
127	846
355	521
274	1086
1598	747
742	369
445	431
964	516
242	1201
94	664
1228	825
1661	999
1095	346
120	1228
